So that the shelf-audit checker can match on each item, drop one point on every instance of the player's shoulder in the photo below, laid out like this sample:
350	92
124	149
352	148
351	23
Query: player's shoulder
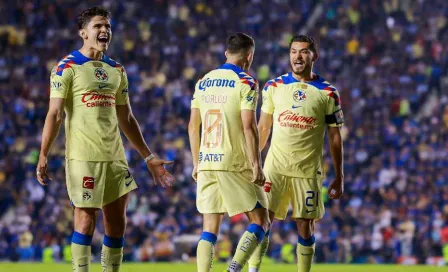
327	88
278	81
113	63
322	84
69	61
239	74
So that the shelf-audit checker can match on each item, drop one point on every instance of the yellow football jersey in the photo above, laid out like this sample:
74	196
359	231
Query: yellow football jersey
91	90
220	96
301	111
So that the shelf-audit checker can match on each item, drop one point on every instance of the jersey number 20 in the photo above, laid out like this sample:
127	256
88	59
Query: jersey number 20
212	135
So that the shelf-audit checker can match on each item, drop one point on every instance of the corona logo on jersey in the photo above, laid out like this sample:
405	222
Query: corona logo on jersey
101	74
216	83
97	99
293	120
88	182
299	96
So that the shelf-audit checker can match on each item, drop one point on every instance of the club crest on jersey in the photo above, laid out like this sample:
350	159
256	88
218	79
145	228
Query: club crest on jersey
101	74
299	96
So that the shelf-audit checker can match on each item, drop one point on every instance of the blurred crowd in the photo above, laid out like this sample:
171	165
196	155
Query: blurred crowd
388	59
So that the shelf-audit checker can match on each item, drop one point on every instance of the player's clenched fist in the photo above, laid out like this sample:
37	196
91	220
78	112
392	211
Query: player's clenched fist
41	171
336	189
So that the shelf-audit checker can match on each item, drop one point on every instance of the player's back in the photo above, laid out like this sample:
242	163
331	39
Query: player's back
220	96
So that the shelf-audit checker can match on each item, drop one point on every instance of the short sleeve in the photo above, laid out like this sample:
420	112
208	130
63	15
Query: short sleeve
122	97
268	104
60	82
249	96
194	99
334	117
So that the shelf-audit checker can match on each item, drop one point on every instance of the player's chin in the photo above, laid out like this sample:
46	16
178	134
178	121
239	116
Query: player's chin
297	71
103	47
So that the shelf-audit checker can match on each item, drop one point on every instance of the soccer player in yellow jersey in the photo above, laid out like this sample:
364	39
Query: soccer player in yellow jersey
300	105
93	90
226	156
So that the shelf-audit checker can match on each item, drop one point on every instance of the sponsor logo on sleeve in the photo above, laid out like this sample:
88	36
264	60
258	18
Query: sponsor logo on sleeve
56	86
250	99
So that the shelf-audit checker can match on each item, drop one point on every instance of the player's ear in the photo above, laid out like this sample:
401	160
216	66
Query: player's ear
225	54
315	56
83	33
250	56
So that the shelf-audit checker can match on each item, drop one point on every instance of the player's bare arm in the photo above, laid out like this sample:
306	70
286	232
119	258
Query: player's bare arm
194	135
251	134
53	123
336	188
264	128
131	129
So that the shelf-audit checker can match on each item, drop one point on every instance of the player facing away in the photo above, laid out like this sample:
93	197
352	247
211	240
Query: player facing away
93	91
226	156
300	105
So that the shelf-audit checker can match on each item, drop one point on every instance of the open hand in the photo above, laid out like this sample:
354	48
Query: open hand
160	175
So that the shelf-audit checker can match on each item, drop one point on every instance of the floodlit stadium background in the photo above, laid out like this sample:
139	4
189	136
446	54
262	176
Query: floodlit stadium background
389	60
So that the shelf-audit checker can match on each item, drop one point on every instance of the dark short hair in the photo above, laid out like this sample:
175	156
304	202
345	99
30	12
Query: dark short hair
239	43
86	15
304	38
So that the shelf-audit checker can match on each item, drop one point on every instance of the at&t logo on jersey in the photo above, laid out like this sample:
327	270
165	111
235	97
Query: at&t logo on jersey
299	96
211	157
101	74
88	183
216	83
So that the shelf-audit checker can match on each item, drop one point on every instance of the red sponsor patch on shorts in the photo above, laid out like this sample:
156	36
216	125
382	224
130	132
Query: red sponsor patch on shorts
88	182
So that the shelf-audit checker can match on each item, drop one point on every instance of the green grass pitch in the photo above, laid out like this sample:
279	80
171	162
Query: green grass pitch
181	267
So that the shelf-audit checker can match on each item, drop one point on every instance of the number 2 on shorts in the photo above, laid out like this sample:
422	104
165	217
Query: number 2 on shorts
310	198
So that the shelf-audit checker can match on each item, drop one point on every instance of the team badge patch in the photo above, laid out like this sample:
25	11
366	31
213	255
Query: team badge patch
299	96
87	196
101	74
